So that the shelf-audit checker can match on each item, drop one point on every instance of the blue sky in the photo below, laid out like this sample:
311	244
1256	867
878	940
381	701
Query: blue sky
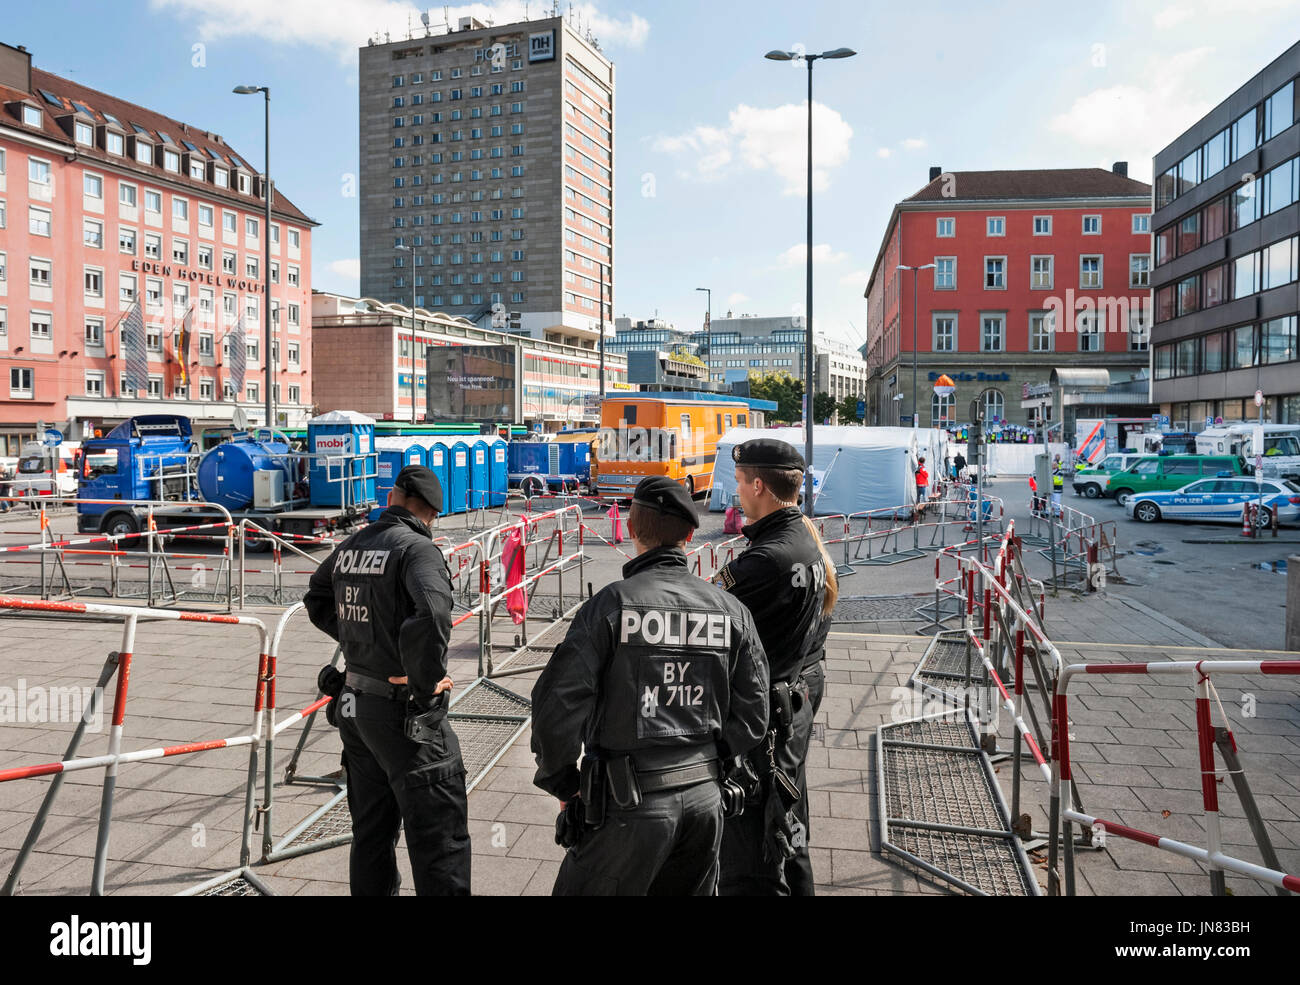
710	136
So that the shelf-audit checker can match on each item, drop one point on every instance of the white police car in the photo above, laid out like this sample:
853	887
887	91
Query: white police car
1219	500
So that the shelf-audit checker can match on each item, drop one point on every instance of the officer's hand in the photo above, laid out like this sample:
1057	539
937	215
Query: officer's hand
443	685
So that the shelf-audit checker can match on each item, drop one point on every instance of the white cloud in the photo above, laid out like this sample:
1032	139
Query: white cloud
737	298
797	255
1120	120
347	24
854	278
1170	16
350	268
913	143
883	152
766	140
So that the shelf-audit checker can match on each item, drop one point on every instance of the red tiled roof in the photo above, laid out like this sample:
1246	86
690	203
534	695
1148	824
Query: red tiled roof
1054	183
130	115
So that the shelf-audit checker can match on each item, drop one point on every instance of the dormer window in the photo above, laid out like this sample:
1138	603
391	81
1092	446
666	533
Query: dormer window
114	143
32	115
84	133
198	170
143	151
243	183
171	161
221	177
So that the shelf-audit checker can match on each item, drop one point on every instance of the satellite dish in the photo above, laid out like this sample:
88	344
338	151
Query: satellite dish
424	18
239	419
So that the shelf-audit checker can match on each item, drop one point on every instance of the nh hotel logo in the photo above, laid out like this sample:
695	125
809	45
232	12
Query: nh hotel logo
541	46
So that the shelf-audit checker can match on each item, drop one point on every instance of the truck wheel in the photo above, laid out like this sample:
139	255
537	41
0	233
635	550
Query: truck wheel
1091	490
690	486
121	525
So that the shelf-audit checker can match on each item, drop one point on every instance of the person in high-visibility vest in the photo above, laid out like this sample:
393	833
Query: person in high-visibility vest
1058	483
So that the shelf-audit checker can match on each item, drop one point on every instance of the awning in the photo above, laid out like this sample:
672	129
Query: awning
1064	376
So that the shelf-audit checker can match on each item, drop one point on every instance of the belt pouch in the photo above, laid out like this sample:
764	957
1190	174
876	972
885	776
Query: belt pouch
623	785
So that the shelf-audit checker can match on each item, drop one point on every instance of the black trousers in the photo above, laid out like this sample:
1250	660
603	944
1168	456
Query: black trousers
668	846
394	782
744	870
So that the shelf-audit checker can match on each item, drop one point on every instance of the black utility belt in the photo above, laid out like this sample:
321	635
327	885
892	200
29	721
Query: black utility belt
676	777
374	686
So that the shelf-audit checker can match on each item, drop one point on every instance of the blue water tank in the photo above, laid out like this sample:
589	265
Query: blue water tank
347	476
394	454
226	471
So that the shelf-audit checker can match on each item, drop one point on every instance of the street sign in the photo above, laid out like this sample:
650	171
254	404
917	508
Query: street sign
52	438
1259	398
862	410
591	405
1209	422
905	419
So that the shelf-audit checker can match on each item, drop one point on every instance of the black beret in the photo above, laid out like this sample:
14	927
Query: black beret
418	480
658	492
768	453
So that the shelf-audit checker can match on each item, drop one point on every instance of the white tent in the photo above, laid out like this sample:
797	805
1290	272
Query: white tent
854	468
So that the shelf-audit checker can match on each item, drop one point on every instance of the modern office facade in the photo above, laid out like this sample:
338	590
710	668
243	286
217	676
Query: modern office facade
365	353
649	334
1225	278
486	184
104	203
1030	271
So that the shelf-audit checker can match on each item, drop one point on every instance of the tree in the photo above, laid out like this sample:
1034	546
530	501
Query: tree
686	356
823	407
784	389
848	408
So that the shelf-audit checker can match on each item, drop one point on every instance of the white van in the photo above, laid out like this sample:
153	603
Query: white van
33	475
1281	452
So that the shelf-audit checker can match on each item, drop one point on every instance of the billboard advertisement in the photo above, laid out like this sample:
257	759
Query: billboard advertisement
472	383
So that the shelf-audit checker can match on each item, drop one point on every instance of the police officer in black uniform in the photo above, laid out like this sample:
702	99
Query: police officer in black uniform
385	595
660	680
788	582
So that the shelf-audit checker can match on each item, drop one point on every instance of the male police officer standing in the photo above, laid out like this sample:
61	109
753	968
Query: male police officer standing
788	583
385	595
659	680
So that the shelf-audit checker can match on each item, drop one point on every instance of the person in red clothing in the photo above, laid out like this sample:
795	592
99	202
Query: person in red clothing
922	483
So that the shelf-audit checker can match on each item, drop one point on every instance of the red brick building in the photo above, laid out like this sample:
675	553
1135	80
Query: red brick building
103	202
1033	271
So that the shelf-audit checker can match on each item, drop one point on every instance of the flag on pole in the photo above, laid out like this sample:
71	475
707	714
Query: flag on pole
237	356
183	347
135	355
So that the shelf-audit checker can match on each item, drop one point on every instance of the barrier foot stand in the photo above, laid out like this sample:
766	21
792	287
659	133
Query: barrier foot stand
38	822
246	838
1223	739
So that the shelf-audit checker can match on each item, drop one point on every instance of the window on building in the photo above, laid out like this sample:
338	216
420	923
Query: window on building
21	382
1087	328
1090	272
1041	332
1139	330
994	330
1139	270
1141	222
1040	273
996	225
1042	225
92	233
995	273
945	333
945	273
39	221
994	406
1092	225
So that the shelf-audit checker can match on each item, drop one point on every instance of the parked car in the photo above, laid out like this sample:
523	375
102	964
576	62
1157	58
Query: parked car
1091	482
1219	500
1165	473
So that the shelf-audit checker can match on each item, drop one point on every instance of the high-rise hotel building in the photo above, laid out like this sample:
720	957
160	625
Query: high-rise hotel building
487	157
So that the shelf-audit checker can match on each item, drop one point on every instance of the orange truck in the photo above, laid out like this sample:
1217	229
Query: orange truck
645	436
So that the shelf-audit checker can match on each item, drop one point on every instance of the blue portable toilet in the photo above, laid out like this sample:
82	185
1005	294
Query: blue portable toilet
499	469
458	475
480	473
349	479
394	454
437	456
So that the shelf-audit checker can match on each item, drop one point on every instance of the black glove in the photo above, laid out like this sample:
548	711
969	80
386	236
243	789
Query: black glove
330	682
570	823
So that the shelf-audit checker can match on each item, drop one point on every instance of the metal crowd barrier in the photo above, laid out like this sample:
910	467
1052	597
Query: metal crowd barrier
119	664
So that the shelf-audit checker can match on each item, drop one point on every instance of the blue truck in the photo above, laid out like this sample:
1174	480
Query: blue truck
256	475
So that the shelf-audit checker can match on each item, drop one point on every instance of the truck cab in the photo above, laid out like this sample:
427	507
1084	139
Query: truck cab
144	458
1280	454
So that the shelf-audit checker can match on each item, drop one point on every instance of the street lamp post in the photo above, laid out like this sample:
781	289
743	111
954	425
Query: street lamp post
929	266
407	249
266	189
785	56
708	319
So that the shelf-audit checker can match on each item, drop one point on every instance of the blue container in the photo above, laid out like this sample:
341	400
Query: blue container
394	454
525	458
458	476
226	471
437	456
347	478
498	468
480	474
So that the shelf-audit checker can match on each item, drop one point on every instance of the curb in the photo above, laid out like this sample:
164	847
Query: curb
1171	623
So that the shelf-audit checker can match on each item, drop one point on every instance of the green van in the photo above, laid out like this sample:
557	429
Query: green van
1091	482
1165	473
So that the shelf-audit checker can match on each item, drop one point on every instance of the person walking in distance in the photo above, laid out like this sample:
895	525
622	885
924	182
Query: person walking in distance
788	582
660	680
385	595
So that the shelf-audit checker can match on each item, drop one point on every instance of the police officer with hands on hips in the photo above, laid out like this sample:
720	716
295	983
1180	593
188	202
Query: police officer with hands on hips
385	595
788	582
660	681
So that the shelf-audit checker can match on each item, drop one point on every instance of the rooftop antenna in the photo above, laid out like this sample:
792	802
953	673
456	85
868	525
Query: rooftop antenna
424	19
446	16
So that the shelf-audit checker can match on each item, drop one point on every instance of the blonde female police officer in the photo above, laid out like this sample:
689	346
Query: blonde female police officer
385	595
660	680
788	582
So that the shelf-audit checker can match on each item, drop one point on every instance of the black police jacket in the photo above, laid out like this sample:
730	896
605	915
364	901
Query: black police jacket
661	659
782	580
385	595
